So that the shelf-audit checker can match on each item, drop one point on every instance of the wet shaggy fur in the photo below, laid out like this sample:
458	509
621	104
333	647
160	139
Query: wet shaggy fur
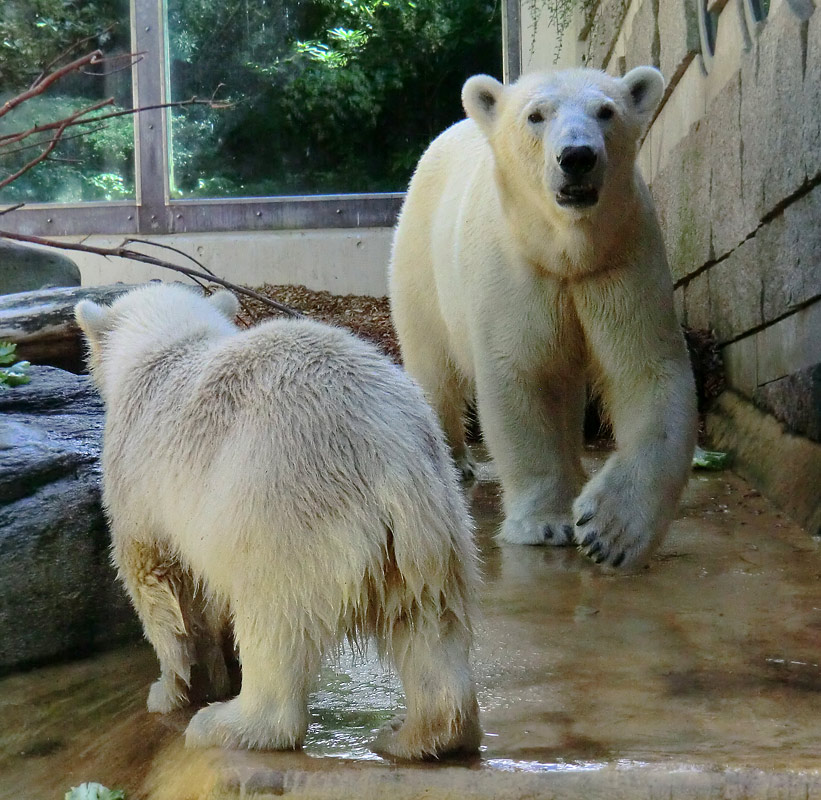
291	482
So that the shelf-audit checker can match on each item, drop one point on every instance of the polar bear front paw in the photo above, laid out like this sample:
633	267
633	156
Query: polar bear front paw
611	528
549	530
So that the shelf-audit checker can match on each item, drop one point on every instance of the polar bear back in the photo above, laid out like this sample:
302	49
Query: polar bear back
294	436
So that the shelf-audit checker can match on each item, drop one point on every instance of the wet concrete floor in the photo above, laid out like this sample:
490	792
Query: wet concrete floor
698	677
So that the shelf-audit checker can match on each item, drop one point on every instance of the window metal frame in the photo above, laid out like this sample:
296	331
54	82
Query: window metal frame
154	212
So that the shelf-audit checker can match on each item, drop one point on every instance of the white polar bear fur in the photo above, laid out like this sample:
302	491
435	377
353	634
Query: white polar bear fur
291	480
498	290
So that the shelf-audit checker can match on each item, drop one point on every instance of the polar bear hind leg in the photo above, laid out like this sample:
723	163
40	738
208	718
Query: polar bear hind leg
279	664
156	583
431	657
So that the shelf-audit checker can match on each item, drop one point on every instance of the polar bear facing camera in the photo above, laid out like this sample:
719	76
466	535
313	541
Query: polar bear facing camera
291	481
528	263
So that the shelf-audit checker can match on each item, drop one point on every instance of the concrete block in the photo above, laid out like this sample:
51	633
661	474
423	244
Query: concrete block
772	114
681	191
811	129
697	302
741	365
678	38
643	40
795	400
790	345
604	30
678	304
786	468
684	107
735	292
790	255
730	225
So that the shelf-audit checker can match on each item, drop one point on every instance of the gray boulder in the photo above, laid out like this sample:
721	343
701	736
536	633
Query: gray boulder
24	268
59	595
42	325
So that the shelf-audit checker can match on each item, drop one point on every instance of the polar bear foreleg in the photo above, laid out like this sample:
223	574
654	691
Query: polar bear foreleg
432	659
623	512
533	431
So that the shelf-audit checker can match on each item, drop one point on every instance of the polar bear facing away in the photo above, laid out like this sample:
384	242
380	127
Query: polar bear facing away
291	481
528	263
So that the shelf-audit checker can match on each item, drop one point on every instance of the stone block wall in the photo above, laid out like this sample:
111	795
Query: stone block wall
733	160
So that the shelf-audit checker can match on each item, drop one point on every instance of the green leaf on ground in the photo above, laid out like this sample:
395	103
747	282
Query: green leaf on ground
94	791
710	459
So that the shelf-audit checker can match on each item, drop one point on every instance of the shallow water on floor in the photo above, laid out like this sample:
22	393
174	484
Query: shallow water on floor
706	661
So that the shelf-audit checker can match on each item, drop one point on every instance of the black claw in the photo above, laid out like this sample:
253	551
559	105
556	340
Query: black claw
548	532
585	518
567	530
602	556
595	548
589	538
619	558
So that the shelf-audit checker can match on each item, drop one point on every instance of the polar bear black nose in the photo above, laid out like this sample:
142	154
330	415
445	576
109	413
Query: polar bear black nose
577	161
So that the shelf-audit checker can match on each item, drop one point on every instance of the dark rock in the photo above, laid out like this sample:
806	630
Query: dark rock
59	595
24	268
42	325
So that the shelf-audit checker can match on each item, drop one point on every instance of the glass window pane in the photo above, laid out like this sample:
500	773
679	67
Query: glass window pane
330	96
93	161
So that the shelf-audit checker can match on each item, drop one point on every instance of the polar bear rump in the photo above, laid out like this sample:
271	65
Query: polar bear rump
289	485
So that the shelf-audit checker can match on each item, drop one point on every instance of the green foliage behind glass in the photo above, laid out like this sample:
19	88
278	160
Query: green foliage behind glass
331	95
99	164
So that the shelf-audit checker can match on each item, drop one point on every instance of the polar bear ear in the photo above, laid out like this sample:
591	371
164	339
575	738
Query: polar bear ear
92	319
645	87
480	97
226	302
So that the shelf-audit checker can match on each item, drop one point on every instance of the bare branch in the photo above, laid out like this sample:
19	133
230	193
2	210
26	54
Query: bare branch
11	208
53	142
135	255
4	153
73	119
10	138
72	49
90	58
133	60
172	249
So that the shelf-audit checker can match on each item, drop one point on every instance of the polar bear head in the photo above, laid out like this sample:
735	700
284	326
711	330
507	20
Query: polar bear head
149	314
570	136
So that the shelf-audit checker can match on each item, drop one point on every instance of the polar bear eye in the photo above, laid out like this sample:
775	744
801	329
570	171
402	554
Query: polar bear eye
605	112
535	117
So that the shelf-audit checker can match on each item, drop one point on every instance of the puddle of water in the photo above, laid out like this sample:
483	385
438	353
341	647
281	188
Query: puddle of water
357	696
709	657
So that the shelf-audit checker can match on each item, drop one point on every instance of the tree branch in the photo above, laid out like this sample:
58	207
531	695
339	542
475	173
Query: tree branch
90	58
10	138
135	255
54	141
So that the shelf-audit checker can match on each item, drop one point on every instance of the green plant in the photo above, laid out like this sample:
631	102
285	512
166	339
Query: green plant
17	373
94	791
559	14
332	96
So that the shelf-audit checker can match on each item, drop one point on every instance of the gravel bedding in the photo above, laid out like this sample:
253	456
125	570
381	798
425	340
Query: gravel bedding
369	317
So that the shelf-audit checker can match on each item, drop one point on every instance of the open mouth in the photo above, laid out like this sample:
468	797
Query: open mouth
575	196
